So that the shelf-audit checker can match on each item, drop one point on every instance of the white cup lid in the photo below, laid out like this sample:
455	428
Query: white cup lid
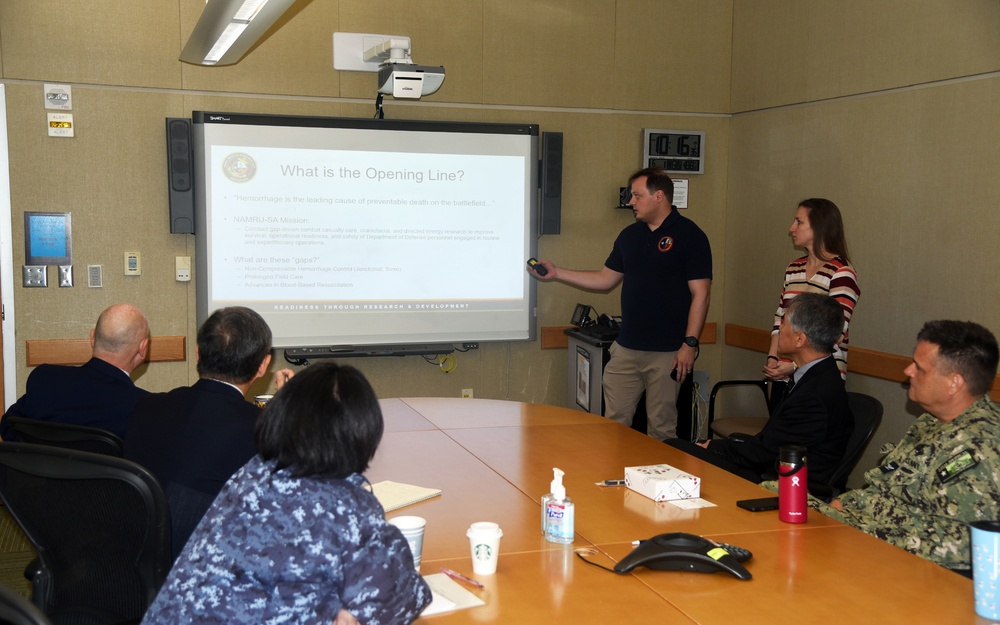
484	529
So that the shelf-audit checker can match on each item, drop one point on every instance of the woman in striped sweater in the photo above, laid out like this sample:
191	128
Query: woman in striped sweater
819	230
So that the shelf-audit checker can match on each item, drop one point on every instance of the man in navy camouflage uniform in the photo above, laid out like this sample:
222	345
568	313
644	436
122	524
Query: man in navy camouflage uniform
945	472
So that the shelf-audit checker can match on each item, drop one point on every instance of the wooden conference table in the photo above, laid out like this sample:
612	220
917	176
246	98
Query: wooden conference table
493	461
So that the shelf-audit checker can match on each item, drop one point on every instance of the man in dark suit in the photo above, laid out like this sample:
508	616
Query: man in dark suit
100	393
814	412
194	438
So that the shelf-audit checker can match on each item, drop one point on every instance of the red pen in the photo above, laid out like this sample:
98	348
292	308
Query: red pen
455	575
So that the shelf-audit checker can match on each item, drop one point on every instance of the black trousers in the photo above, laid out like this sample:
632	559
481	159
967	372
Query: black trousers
692	449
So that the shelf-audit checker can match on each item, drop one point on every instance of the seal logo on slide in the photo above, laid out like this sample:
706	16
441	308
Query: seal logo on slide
239	167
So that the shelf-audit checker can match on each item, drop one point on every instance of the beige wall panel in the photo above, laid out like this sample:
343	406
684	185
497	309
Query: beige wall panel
91	41
588	226
767	153
549	52
294	57
673	56
441	32
914	174
788	51
111	176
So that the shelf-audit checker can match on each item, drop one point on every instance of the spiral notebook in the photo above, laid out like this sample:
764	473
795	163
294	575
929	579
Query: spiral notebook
395	495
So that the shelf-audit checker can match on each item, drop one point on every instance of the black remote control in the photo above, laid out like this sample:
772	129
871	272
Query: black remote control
537	266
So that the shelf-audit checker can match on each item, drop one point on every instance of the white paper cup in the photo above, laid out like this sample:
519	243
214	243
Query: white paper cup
261	400
484	541
412	528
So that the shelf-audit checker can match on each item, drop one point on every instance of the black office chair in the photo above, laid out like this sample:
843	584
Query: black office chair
66	435
867	417
100	525
16	610
725	427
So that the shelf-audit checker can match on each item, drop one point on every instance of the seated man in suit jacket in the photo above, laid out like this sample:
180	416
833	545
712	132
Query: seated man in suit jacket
814	412
194	438
100	393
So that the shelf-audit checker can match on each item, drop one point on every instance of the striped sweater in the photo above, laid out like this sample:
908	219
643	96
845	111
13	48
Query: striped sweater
838	279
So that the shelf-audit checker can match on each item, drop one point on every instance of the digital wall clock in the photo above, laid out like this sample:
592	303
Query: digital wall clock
677	151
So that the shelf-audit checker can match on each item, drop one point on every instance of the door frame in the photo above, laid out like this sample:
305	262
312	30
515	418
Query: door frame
8	354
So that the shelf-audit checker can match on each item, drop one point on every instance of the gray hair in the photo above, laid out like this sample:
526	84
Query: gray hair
819	317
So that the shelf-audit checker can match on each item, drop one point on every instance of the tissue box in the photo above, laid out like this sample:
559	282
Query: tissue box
662	482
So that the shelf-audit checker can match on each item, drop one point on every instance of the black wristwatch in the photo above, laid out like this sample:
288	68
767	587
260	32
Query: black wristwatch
691	340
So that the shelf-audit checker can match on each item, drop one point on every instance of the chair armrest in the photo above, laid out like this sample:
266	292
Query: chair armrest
740	437
41	584
761	384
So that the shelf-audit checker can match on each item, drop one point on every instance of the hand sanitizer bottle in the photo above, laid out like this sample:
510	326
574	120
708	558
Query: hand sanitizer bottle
557	512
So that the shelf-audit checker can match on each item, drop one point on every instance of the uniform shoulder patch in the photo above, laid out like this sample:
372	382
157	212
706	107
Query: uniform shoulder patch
956	465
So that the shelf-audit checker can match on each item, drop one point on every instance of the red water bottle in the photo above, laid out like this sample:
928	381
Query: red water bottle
793	484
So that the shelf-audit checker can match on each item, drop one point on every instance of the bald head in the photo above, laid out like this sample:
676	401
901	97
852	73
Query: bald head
121	336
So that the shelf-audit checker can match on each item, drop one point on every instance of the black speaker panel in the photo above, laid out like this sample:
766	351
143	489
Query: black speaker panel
550	208
180	175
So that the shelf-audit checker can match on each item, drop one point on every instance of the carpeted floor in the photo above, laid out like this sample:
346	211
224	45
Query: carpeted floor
15	553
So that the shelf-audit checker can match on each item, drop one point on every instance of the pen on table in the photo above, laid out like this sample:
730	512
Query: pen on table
462	578
611	483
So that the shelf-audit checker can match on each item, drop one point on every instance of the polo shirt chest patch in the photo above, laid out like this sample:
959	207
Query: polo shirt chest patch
665	244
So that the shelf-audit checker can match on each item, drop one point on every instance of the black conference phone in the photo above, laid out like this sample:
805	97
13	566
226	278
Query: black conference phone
678	551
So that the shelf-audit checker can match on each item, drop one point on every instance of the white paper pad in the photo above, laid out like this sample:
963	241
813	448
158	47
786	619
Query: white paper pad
395	495
448	595
690	504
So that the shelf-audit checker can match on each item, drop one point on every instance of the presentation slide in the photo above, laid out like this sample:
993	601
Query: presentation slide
315	225
356	232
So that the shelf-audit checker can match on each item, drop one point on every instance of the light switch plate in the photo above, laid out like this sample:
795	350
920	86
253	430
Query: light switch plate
65	275
34	276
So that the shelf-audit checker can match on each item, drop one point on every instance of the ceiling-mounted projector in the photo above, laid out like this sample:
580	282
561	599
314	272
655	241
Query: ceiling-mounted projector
409	80
390	56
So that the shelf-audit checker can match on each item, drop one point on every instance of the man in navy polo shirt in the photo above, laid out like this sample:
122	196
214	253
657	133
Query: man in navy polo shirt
664	263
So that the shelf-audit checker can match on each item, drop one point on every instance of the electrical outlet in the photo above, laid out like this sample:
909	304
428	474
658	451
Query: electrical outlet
466	392
182	267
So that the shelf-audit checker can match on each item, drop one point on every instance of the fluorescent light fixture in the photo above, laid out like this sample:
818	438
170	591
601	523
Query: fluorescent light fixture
228	28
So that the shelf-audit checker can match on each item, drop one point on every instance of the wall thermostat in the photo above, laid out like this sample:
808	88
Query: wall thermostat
133	264
677	151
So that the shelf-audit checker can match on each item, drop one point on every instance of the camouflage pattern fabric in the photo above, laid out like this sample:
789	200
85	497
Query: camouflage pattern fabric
937	480
277	549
